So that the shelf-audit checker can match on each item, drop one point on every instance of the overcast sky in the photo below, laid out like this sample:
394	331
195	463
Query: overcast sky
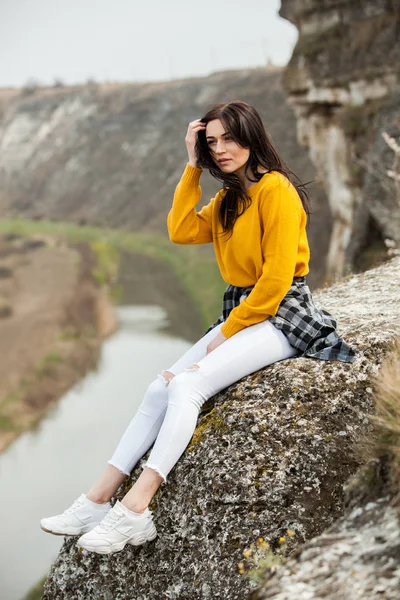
137	40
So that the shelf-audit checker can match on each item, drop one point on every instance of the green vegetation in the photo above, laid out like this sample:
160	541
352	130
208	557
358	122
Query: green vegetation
68	336
211	420
198	274
107	261
6	424
116	293
46	365
259	557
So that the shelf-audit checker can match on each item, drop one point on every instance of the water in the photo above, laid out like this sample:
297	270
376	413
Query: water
44	470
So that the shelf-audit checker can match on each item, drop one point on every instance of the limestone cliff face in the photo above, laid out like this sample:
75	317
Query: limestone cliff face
343	83
268	460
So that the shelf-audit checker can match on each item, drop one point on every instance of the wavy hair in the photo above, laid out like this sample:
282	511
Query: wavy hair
245	126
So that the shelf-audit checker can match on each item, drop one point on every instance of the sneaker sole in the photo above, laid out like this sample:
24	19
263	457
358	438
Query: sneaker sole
80	532
137	540
140	538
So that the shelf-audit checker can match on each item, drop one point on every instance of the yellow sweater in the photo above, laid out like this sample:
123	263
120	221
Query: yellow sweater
268	246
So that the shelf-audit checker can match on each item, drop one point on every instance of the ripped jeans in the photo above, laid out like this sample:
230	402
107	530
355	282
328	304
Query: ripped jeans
168	414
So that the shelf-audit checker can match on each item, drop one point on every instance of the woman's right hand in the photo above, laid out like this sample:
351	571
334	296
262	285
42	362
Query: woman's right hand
191	138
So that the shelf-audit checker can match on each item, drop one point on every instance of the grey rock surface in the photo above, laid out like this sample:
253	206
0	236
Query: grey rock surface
270	454
358	557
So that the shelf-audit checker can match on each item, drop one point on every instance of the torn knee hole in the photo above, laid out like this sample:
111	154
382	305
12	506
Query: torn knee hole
166	377
194	367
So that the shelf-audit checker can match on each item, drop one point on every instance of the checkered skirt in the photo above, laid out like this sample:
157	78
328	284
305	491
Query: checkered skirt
309	329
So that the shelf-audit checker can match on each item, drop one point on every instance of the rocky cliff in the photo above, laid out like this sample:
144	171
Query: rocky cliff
111	155
264	472
358	557
343	83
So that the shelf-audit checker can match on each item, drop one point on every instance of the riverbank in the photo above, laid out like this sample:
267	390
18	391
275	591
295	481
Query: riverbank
55	312
194	266
58	282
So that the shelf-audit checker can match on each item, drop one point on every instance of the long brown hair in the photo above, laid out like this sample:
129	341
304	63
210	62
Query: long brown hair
245	126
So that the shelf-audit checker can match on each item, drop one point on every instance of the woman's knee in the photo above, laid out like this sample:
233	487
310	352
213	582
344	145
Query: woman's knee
156	394
166	377
186	388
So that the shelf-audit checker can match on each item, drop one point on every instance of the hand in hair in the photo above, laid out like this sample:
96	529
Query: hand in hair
191	138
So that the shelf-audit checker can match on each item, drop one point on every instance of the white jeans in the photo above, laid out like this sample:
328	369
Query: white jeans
168	414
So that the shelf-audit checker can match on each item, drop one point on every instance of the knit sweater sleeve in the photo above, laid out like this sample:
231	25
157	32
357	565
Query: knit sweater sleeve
280	215
185	224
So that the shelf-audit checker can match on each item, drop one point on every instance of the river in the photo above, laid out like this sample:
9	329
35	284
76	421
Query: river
47	468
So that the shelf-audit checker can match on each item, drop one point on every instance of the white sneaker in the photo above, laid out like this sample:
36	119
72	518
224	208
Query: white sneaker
119	527
79	518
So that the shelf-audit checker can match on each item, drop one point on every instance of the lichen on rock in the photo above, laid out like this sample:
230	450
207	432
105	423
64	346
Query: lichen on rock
358	557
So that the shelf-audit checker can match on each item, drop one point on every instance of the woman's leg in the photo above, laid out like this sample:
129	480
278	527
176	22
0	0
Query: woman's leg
106	486
134	443
247	351
143	430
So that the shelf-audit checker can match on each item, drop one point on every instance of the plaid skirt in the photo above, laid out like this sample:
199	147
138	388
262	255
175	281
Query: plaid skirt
309	329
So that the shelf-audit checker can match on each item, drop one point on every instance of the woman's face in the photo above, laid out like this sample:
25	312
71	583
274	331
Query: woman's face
223	148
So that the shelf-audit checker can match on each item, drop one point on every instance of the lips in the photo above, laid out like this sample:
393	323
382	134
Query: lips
222	162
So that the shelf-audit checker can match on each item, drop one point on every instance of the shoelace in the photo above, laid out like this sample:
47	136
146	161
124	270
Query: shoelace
72	508
109	520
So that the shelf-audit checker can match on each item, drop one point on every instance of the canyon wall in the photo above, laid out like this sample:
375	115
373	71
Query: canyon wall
343	84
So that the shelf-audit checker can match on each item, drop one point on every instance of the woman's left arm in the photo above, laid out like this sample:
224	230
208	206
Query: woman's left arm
280	213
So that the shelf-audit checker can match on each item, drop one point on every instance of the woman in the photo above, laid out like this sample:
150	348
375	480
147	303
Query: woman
257	223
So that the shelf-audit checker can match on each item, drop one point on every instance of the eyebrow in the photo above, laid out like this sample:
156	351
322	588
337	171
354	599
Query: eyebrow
212	137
